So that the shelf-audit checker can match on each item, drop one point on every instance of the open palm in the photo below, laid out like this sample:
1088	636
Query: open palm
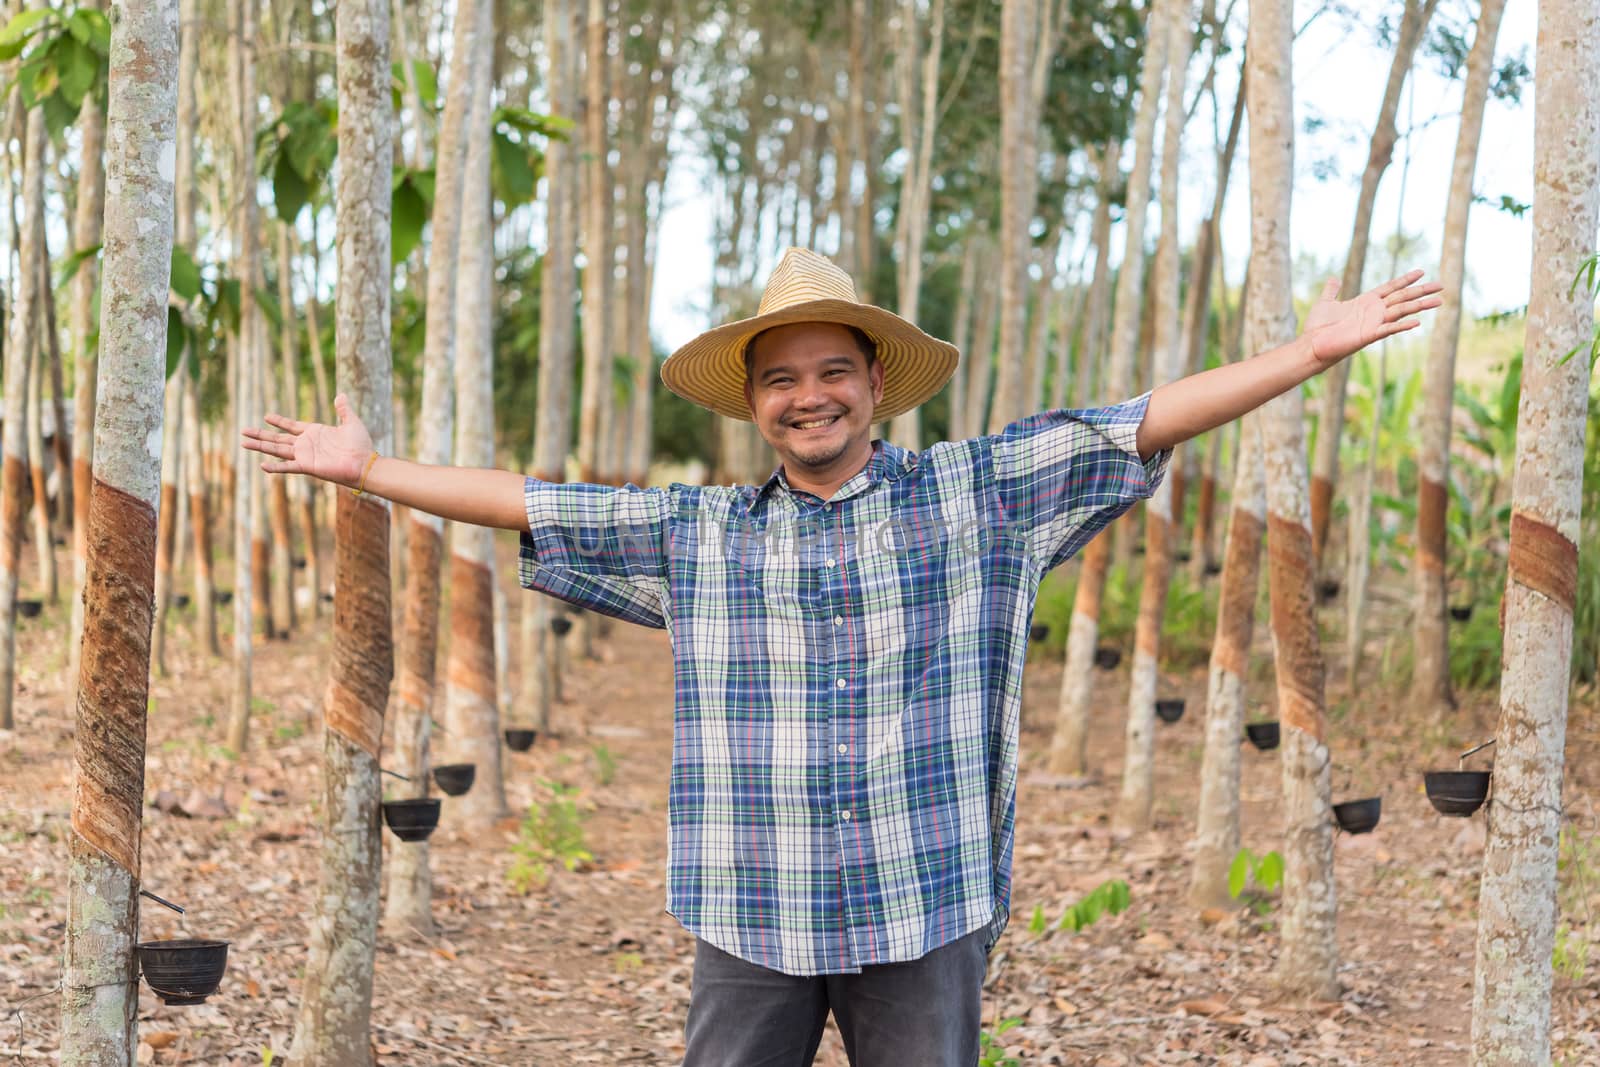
1337	328
332	453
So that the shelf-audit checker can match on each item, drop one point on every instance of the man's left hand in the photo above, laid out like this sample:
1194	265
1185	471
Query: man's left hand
1337	328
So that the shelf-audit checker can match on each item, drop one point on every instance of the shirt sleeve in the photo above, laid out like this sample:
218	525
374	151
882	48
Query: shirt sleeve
599	547
1063	475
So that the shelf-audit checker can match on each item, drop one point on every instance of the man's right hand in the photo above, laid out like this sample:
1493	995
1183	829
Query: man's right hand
333	453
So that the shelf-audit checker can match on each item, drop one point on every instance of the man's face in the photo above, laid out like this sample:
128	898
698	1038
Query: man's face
812	395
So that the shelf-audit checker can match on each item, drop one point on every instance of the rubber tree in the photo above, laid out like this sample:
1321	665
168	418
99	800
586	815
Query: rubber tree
1517	893
15	491
88	212
1138	763
99	990
408	909
1308	959
1430	677
471	695
1330	418
333	1021
541	650
1069	752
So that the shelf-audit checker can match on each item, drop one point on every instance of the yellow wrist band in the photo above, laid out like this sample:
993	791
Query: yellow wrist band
361	486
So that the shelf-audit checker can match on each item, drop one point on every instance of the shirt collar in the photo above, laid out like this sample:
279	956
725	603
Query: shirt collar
888	463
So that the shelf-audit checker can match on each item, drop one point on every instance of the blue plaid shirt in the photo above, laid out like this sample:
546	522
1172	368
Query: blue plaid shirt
848	675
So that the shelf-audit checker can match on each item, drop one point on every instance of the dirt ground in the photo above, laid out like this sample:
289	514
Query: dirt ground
590	969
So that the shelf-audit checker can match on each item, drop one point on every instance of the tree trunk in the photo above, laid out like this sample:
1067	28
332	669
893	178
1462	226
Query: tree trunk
1098	307
100	996
87	214
1073	713
287	396
1308	962
960	336
1517	896
1216	837
332	1027
552	435
14	487
919	119
205	615
980	372
408	909
1162	511
471	692
1018	176
302	493
1430	678
247	398
594	423
43	536
1330	417
167	523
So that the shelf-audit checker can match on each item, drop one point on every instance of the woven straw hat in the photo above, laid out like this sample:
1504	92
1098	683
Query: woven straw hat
807	287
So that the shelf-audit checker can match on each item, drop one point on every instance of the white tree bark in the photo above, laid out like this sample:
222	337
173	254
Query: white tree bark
408	908
1138	765
595	409
332	1024
1517	895
100	999
1430	679
470	685
15	491
1308	962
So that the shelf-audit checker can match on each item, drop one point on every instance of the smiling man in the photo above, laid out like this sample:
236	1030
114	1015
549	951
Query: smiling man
848	641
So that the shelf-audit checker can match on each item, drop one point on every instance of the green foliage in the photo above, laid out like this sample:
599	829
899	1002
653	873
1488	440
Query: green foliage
605	765
1577	876
411	207
991	1052
1264	872
551	834
1108	898
516	157
296	151
64	57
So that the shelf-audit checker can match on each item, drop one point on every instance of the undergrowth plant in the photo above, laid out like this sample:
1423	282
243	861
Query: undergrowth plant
1110	897
1577	875
1265	873
551	834
991	1053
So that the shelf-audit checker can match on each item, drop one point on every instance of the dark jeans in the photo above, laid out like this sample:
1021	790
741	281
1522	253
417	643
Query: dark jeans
924	1012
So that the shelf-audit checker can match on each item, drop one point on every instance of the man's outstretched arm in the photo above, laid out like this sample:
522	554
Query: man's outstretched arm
341	453
1334	329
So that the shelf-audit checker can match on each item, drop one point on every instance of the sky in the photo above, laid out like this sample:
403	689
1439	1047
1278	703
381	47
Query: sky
1339	73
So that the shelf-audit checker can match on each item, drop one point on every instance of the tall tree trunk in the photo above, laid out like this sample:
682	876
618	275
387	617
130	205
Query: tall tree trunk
960	335
100	996
194	474
167	523
471	692
594	424
1068	749
551	435
1430	679
247	397
1018	176
1138	770
852	253
1330	417
919	118
43	535
980	371
14	487
408	909
286	396
1308	962
1216	836
332	1026
87	213
1517	895
302	495
1098	302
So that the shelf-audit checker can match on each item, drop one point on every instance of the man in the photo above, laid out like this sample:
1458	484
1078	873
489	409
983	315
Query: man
848	641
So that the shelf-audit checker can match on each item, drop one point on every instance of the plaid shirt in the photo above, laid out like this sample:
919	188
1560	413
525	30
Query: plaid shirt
848	675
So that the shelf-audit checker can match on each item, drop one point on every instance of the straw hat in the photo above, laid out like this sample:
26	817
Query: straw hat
807	287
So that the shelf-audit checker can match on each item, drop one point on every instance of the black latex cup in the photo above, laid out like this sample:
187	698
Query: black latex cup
560	625
455	778
1461	612
1039	631
1169	711
1358	816
184	971
1458	793
1107	658
412	820
30	609
520	740
1263	735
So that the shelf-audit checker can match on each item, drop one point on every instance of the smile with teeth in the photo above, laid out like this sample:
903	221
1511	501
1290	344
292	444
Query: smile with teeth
813	424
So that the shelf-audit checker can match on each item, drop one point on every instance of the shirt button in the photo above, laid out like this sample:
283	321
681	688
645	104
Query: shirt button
845	815
827	507
829	562
838	620
840	683
843	749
